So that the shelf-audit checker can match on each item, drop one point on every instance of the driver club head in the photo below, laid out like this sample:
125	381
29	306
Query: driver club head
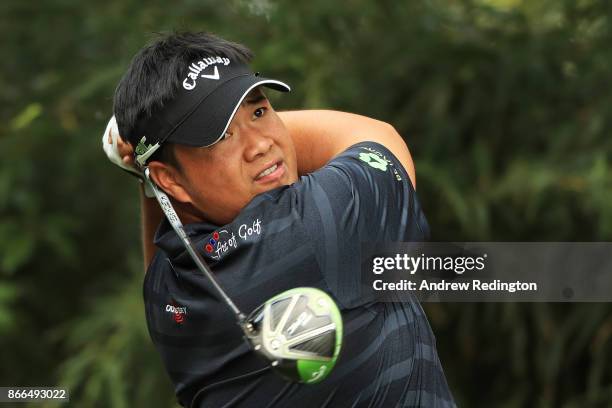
300	332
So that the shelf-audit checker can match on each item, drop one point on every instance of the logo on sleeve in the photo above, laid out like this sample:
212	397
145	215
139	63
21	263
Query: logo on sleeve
378	161
374	161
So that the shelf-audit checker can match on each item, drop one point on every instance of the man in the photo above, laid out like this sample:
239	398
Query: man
273	201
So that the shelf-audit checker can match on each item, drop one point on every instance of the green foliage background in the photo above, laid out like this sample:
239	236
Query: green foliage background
506	106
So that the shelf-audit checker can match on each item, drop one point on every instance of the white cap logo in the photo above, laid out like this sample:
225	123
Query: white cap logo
196	68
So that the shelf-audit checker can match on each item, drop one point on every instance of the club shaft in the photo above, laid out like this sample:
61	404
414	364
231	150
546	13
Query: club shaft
177	225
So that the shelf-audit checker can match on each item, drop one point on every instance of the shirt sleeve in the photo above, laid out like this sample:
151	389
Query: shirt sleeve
362	196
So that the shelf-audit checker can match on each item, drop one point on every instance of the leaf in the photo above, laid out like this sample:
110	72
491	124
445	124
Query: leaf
27	116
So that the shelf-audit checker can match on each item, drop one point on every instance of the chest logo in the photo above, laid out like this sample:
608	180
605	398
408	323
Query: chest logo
222	241
178	312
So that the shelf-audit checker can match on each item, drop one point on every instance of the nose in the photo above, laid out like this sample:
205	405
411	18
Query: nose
257	144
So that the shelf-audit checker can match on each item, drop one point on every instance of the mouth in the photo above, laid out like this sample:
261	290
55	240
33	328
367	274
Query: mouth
271	173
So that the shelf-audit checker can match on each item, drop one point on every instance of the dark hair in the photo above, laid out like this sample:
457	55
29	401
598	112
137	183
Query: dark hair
155	74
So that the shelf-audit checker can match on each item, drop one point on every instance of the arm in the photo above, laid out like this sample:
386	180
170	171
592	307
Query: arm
319	135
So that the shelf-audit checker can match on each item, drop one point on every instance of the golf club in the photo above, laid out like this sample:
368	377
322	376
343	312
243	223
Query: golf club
298	331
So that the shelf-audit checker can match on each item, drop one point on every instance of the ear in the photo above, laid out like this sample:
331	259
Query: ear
169	179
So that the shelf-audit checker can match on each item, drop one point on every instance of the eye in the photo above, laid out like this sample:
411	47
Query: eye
259	112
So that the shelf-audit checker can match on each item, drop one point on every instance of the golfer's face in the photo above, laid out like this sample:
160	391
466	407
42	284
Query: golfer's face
255	156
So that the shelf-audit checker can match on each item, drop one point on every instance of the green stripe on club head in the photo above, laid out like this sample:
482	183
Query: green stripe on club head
312	372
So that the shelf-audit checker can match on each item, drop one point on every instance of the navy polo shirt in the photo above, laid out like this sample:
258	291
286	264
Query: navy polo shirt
305	234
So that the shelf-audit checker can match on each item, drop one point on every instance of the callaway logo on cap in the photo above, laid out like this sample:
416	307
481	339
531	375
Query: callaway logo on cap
202	108
197	67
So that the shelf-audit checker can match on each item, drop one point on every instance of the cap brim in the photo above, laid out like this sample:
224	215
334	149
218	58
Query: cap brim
211	119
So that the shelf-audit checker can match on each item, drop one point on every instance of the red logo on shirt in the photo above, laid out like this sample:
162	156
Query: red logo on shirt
220	242
212	243
178	312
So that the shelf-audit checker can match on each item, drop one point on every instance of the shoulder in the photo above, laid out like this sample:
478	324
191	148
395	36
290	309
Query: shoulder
367	162
328	133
